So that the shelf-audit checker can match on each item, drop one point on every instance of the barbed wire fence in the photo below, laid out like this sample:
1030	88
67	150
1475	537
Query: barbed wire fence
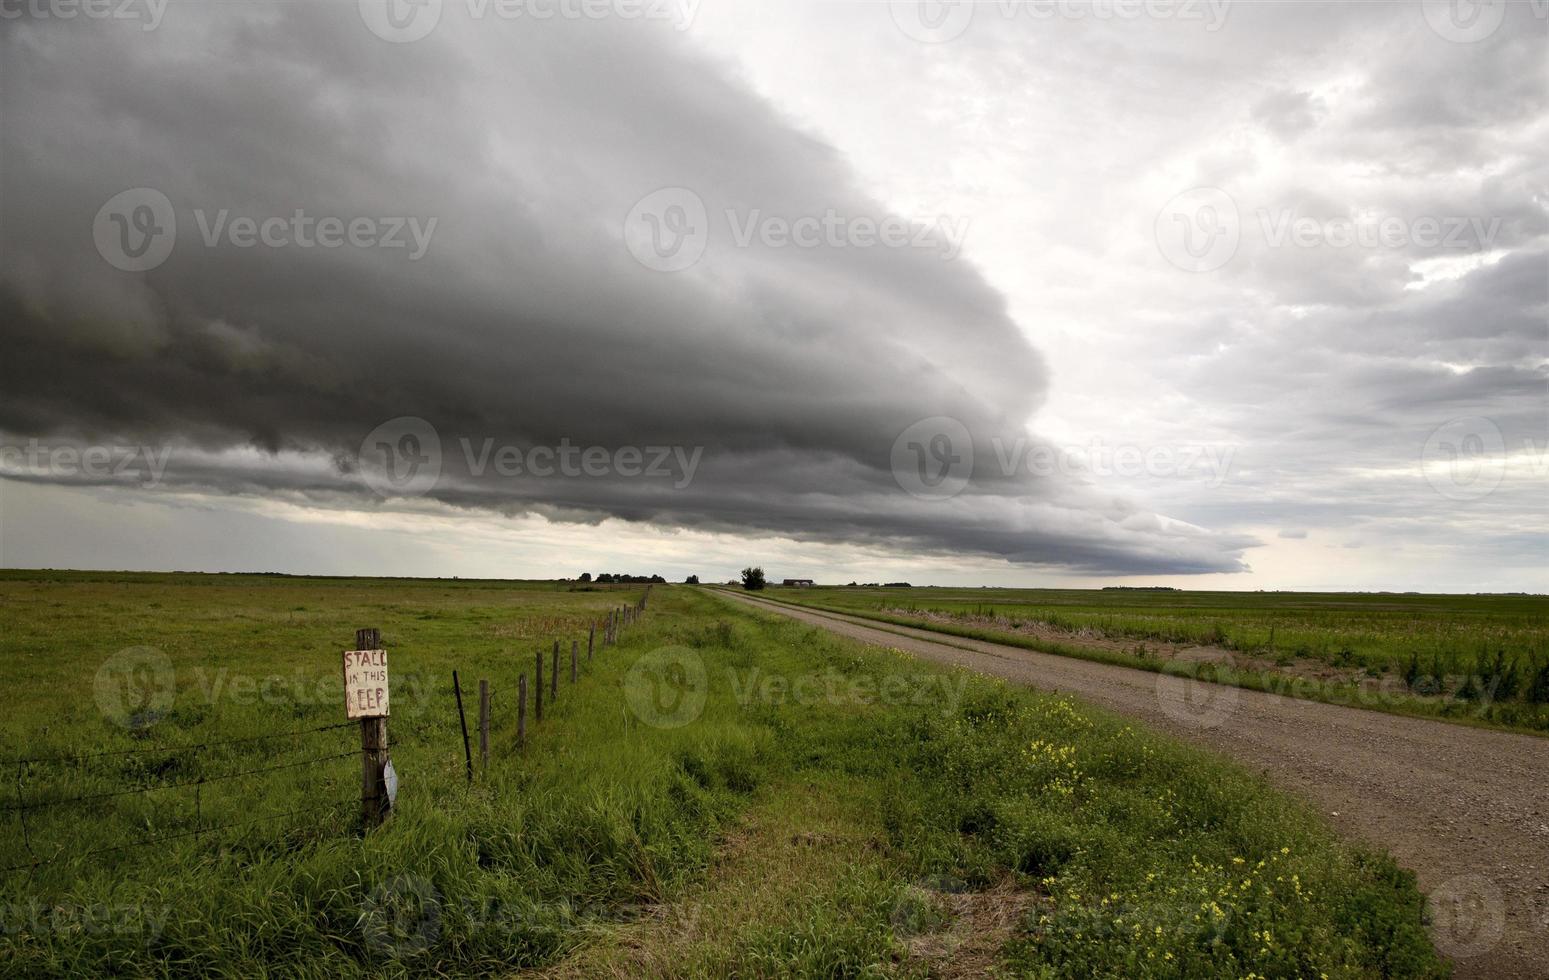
24	808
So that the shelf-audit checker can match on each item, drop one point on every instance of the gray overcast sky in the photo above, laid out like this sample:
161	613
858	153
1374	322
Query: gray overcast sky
1216	294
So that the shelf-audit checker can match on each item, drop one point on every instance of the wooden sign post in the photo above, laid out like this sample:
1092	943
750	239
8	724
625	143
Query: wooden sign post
365	698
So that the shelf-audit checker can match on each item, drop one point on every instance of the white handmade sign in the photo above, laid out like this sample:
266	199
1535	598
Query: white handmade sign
365	683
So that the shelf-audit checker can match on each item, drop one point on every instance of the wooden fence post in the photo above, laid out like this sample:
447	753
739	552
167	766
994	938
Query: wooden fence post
575	652
483	723
591	637
521	710
537	693
554	676
462	720
373	750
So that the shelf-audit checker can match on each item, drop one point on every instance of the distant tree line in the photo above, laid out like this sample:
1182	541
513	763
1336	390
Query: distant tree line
610	578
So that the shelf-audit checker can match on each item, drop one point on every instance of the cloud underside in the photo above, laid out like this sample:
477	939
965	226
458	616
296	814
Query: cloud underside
527	322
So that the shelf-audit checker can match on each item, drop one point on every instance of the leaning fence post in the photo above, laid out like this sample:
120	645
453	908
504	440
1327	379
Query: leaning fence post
554	676
575	652
484	723
521	710
591	637
462	720
374	803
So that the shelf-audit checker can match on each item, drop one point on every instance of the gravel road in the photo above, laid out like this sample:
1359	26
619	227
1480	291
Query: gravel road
1467	809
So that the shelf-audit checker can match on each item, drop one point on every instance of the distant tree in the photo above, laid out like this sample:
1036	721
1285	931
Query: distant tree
753	579
658	580
586	576
691	580
603	578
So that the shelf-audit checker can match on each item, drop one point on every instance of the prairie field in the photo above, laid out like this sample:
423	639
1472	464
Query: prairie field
1481	659
720	793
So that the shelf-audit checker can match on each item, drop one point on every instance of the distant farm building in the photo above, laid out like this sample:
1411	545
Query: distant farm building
797	581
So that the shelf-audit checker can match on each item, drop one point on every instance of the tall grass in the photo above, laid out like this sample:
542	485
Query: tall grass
559	848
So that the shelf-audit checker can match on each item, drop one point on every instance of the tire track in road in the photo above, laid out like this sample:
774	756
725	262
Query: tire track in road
1466	808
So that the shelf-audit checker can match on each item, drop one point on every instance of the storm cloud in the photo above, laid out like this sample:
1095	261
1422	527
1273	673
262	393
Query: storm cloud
511	158
762	271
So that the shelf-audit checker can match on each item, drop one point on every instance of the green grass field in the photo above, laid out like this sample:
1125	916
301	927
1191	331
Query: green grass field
723	793
1475	658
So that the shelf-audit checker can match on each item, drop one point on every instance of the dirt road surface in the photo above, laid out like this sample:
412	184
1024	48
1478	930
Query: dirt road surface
1465	808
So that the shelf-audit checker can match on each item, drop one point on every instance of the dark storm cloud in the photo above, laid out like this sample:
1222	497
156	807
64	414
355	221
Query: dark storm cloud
526	322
